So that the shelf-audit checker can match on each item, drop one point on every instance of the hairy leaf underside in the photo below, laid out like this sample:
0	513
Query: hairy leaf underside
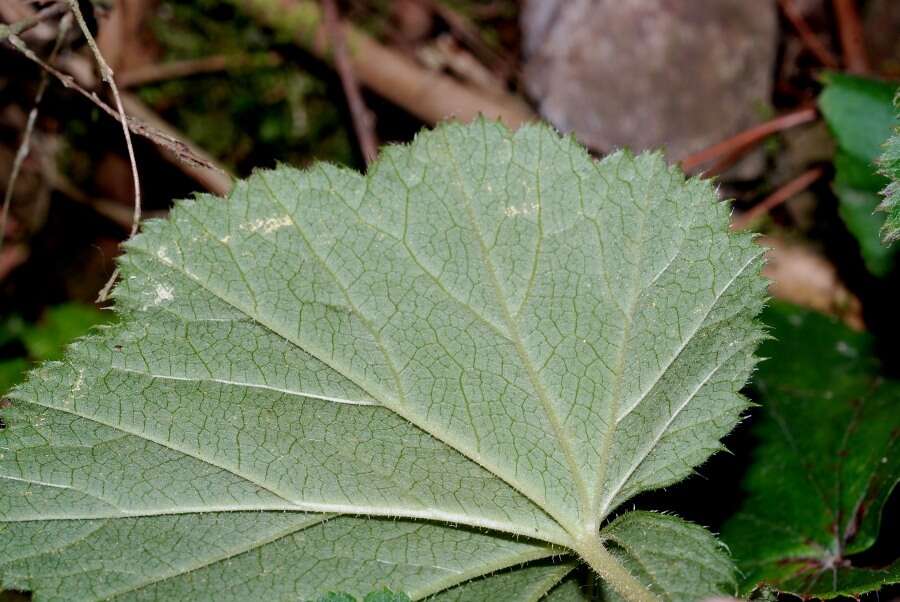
442	378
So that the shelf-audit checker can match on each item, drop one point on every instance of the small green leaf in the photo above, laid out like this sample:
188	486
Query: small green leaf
336	597
46	339
670	553
858	210
12	371
889	164
860	114
59	326
385	595
491	334
827	461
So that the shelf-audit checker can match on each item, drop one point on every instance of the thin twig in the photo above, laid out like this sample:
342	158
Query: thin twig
430	96
789	190
25	146
807	36
195	162
850	27
156	72
107	75
180	150
363	120
20	27
746	140
467	32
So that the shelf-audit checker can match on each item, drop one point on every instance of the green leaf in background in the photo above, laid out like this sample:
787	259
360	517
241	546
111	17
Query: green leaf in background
858	209
827	461
426	379
59	326
861	115
12	371
47	338
890	169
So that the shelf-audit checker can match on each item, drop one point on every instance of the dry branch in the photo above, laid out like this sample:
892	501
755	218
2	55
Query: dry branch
174	146
107	75
363	120
807	36
428	95
782	194
192	160
742	142
157	72
850	27
35	18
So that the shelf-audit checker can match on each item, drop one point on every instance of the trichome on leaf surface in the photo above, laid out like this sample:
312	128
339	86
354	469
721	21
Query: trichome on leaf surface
445	378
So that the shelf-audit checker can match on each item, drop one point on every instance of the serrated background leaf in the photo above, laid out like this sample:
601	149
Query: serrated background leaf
889	164
490	329
860	113
827	462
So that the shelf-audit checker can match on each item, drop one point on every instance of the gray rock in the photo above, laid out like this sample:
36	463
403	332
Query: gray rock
677	74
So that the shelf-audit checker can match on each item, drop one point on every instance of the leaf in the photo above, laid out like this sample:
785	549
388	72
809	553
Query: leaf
826	463
59	326
889	165
531	583
858	210
45	339
860	114
491	334
384	595
674	555
12	371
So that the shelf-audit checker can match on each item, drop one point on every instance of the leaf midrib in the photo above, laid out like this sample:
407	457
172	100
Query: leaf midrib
606	449
547	404
379	341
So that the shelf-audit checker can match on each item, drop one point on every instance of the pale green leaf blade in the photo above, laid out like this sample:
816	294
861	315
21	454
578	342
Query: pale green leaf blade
238	556
526	584
201	410
678	560
490	329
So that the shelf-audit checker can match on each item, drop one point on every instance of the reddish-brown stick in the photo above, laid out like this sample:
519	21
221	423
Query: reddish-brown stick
791	189
744	141
363	121
856	58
